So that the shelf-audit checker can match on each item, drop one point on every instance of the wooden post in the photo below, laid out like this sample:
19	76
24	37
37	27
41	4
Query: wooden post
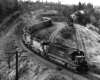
9	60
16	65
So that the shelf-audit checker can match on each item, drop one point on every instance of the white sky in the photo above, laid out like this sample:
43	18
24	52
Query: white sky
94	2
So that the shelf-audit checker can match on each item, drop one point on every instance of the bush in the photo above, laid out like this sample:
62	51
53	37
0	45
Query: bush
55	77
23	70
67	32
1	76
9	48
18	30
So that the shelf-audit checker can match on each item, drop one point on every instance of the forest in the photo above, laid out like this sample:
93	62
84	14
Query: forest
64	11
7	7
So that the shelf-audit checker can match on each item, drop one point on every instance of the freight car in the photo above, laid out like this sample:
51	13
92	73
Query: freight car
45	23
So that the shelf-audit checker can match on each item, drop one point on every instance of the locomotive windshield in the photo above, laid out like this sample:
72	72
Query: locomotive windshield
80	60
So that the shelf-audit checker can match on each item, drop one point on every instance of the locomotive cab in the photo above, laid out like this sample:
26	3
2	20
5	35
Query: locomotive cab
79	60
81	64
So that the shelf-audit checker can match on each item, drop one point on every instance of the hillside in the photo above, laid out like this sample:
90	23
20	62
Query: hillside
90	40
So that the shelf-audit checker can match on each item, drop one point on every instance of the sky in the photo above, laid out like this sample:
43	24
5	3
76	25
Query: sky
94	2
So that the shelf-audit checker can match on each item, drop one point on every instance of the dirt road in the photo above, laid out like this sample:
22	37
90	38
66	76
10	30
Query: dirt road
59	27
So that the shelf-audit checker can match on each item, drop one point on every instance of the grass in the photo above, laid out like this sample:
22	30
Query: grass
7	25
95	70
23	70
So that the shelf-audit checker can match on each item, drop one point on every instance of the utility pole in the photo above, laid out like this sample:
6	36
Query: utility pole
16	65
17	52
9	60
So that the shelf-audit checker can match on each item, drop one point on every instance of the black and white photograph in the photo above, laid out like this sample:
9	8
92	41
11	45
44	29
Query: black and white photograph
49	40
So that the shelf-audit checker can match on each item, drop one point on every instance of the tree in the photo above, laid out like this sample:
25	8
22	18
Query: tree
1	12
80	6
67	32
89	9
75	8
64	13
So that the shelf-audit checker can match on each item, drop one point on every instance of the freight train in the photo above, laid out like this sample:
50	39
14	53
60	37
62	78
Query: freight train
65	55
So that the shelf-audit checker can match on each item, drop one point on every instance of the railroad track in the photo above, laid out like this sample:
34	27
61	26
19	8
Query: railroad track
79	34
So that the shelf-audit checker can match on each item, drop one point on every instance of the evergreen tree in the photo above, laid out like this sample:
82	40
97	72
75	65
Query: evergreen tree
1	11
80	6
75	8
